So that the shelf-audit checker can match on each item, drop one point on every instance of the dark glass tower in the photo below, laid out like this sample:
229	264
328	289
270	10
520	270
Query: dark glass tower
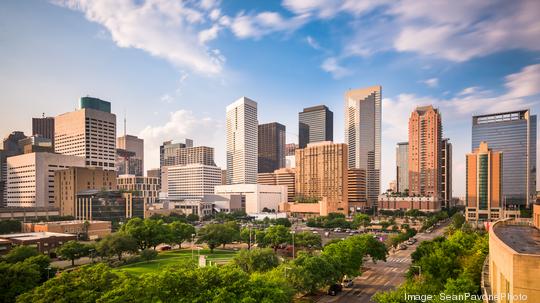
43	127
271	147
315	124
514	134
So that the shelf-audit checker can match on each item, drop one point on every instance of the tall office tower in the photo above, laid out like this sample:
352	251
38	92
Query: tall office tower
446	172
316	124
322	174
282	176
402	167
242	142
425	146
357	193
185	153
30	181
192	181
11	147
363	135
89	132
135	145
271	147
514	134
43	127
484	184
70	181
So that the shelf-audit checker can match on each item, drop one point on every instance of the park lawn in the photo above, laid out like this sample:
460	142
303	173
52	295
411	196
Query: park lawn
173	256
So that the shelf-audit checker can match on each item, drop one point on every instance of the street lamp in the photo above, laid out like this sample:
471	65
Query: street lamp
419	269
192	240
293	252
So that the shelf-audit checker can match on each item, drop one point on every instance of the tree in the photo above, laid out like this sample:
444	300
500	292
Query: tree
192	218
215	234
276	235
307	239
115	245
180	232
17	278
73	250
9	226
147	233
309	273
256	260
148	254
20	253
283	221
362	220
458	220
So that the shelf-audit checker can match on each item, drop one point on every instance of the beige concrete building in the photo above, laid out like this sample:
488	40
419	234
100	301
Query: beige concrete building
514	261
30	178
425	204
94	229
283	176
68	182
193	181
89	133
322	172
425	146
142	187
356	189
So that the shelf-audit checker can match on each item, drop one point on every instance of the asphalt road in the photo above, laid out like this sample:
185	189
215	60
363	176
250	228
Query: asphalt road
382	276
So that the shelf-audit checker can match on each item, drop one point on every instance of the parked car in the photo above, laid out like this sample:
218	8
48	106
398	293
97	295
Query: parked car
402	247
347	282
334	289
165	247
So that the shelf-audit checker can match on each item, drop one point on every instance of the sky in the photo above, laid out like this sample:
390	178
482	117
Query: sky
171	67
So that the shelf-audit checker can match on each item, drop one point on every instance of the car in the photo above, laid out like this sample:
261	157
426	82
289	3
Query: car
165	247
315	232
402	247
334	289
347	283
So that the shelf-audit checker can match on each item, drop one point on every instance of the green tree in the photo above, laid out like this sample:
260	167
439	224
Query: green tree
192	218
276	235
116	245
20	253
458	220
17	278
309	273
361	220
10	226
73	250
215	234
283	221
256	260
148	254
307	239
180	232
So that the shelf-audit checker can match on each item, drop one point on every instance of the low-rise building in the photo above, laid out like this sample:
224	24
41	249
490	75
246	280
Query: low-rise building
258	198
45	242
425	204
282	176
307	209
93	229
185	207
113	206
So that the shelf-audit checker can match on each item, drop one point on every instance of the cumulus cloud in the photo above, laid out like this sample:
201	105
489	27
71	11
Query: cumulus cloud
258	25
332	66
432	82
524	83
182	124
173	30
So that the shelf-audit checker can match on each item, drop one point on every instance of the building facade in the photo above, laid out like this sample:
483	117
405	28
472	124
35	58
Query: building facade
271	147
30	178
133	165
446	172
322	172
94	229
44	127
242	142
113	206
256	197
10	147
425	146
146	188
89	132
514	134
282	176
363	135
185	153
36	144
357	191
315	124
402	167
425	204
193	181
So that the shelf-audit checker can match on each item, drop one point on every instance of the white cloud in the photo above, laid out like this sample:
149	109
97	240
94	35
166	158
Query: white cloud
313	43
432	82
258	25
164	28
524	83
332	66
182	124
326	9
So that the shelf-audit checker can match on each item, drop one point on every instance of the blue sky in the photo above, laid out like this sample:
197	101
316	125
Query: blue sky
173	66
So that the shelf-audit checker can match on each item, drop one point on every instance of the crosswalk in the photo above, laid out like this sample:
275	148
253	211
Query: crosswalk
398	260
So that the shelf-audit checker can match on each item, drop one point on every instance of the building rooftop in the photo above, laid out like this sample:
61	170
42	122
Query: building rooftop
69	222
34	236
523	239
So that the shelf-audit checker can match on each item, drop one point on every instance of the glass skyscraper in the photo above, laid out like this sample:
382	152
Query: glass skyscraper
514	134
316	124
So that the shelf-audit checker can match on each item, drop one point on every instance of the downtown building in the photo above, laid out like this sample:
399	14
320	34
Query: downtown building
89	132
189	182
316	124
363	136
130	155
11	147
512	133
43	127
146	188
402	167
271	147
242	142
185	153
282	176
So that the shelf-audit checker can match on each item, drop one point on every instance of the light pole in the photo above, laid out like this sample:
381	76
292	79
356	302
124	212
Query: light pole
293	252
48	270
419	270
192	240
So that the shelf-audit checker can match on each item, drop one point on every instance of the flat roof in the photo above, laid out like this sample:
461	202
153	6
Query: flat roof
523	239
33	236
68	222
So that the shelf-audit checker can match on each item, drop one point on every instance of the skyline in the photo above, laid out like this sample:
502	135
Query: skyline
165	98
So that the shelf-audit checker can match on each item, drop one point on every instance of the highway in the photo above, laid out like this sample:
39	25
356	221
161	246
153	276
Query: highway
381	276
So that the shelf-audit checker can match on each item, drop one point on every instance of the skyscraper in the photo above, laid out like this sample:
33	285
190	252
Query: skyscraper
484	184
242	142
185	153
135	164
514	134
44	127
89	132
425	146
446	172
402	167
11	147
363	135
316	124
271	147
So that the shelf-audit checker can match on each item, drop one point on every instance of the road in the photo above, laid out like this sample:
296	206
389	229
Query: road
381	276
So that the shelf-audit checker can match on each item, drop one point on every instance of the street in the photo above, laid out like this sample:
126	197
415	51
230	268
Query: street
381	276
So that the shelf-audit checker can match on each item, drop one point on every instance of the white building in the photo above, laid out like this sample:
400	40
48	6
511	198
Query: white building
242	142
363	135
30	178
89	132
192	181
255	197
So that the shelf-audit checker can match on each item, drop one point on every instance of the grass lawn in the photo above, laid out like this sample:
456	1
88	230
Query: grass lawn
172	257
